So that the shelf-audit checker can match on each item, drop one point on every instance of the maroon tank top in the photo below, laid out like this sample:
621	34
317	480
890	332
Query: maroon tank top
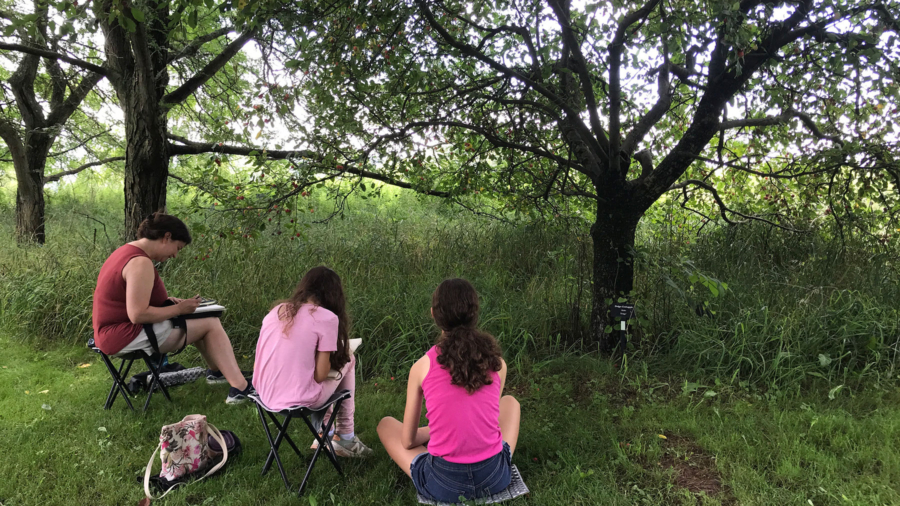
112	328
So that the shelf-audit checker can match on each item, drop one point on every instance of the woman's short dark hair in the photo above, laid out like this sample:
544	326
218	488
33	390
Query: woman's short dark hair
159	223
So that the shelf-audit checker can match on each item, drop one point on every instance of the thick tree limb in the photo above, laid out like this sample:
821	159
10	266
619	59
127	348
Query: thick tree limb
194	83
55	56
781	119
615	50
188	147
723	209
57	177
468	50
645	158
499	142
196	44
59	115
22	84
652	117
584	78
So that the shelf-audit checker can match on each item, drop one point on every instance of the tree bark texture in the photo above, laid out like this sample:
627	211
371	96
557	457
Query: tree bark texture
30	188
613	235
138	61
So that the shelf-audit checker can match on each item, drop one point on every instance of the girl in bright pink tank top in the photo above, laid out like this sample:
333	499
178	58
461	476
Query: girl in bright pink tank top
472	431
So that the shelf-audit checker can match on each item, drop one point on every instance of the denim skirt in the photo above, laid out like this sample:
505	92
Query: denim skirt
443	481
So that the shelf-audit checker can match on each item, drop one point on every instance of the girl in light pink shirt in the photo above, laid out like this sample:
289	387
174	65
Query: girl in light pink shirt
301	340
472	431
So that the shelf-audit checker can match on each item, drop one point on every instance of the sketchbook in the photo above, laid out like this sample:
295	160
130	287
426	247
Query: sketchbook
354	344
209	308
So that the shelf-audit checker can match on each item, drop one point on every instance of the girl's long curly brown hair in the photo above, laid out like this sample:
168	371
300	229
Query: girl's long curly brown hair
469	354
321	286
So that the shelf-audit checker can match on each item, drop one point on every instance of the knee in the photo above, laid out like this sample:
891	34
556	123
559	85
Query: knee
215	324
385	425
510	402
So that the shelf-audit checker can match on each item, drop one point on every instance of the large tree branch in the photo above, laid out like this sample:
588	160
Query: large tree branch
468	50
781	119
723	83
55	56
188	147
500	142
652	117
196	44
22	84
584	77
59	115
57	177
616	48
723	209
10	135
195	82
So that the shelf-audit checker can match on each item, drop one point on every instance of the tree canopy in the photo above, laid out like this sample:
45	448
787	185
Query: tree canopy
780	112
612	105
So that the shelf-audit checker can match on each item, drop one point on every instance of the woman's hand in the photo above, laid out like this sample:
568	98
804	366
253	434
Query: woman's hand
188	306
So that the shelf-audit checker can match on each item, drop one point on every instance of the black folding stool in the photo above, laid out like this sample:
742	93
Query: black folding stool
315	421
153	361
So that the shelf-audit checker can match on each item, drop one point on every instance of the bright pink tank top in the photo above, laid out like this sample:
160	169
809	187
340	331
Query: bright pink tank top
464	428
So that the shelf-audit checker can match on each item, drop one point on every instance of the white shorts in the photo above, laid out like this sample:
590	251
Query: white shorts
163	330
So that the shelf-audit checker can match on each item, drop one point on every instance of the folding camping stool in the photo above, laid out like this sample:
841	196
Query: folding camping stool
315	421
154	362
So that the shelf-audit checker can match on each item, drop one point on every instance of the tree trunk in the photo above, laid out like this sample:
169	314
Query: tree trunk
146	161
613	238
139	75
29	159
30	197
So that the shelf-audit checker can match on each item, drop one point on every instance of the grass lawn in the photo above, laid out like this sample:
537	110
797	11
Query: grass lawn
589	436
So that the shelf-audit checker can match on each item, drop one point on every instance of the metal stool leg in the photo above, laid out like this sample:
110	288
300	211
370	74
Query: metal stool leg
273	451
118	384
154	371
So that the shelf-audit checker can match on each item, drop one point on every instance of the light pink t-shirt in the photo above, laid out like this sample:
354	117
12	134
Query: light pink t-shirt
283	373
465	428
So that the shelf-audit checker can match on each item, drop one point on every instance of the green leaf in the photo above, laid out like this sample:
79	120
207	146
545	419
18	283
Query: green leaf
834	391
137	14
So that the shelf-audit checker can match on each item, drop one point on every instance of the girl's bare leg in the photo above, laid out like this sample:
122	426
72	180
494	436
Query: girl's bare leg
389	432
510	416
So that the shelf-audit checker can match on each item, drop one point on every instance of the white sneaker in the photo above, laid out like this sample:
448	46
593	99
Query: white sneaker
351	448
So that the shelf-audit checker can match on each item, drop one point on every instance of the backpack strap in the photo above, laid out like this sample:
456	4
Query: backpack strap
178	322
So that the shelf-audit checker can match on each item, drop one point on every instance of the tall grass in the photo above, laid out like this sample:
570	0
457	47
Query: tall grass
391	255
797	308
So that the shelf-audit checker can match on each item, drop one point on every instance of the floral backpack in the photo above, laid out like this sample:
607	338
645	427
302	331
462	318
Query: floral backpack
184	450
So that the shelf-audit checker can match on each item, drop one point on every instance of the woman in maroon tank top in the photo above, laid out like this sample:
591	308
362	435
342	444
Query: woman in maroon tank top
130	294
472	431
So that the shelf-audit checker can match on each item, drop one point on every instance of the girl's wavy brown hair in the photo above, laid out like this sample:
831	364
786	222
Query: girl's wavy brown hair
469	354
321	286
